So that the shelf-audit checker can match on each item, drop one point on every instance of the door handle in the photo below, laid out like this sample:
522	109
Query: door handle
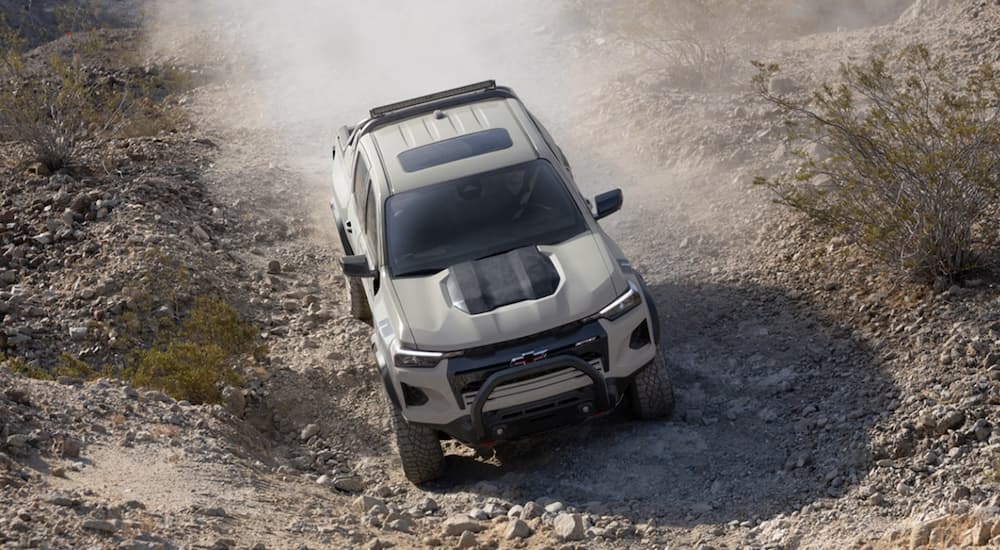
347	227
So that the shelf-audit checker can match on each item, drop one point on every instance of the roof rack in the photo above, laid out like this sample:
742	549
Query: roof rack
479	86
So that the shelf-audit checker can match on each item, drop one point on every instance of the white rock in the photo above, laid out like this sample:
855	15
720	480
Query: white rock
555	507
309	431
517	529
456	525
569	527
531	510
364	503
467	540
493	510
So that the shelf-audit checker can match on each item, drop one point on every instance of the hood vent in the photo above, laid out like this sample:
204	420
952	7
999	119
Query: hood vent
483	285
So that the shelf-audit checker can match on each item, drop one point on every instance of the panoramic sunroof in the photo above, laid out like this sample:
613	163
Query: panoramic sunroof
456	148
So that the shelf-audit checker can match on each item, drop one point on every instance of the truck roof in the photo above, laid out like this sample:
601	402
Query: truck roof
452	142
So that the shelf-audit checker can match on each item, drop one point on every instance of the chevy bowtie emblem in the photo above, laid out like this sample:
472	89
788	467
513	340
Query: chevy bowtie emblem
528	358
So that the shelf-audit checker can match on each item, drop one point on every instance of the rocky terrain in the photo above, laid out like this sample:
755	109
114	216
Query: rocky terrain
822	401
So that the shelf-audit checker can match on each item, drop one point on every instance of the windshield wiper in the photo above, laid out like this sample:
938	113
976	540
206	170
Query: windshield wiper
504	251
421	272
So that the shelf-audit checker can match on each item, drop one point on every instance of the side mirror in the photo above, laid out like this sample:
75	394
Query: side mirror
608	203
357	267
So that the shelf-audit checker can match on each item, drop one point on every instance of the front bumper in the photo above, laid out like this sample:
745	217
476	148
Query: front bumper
573	373
507	423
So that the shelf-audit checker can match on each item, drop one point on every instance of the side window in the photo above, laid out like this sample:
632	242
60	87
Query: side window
360	179
371	229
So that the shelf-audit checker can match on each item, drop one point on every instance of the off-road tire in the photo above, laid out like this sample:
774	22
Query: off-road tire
651	394
419	448
357	302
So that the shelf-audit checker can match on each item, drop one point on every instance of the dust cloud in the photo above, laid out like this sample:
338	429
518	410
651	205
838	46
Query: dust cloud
808	16
313	65
325	63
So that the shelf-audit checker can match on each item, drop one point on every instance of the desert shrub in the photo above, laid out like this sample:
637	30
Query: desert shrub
185	370
213	322
53	108
78	16
192	359
74	367
56	104
914	153
23	368
202	356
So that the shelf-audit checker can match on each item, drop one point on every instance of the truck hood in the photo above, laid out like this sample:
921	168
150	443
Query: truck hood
439	319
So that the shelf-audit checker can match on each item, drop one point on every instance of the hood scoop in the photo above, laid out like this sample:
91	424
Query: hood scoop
480	286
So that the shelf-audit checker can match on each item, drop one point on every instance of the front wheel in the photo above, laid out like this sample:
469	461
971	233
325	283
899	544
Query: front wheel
418	446
651	393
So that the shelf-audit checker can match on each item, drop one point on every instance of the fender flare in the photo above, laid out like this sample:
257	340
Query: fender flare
341	232
654	314
383	371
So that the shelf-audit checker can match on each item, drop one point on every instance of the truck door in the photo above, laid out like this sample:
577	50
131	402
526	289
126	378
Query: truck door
355	215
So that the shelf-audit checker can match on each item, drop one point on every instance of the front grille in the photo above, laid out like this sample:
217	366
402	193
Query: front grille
470	382
468	373
557	332
531	382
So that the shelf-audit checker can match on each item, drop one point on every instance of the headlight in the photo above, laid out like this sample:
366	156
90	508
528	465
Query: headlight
623	304
413	359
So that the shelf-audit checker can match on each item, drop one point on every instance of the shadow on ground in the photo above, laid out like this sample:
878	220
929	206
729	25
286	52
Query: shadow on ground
774	407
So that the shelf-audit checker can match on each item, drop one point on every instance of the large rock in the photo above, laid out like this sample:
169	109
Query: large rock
456	525
364	503
467	540
349	483
309	431
517	529
531	510
949	421
569	527
99	525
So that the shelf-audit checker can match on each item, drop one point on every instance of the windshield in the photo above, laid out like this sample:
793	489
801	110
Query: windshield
435	227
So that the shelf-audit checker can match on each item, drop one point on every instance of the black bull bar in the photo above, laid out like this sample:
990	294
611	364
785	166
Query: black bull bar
603	403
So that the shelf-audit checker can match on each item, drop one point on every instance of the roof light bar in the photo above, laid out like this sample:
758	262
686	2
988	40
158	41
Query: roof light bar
484	85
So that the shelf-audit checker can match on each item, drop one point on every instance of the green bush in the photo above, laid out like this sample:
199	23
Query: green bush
74	367
914	157
22	368
184	370
194	362
51	108
197	360
214	322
